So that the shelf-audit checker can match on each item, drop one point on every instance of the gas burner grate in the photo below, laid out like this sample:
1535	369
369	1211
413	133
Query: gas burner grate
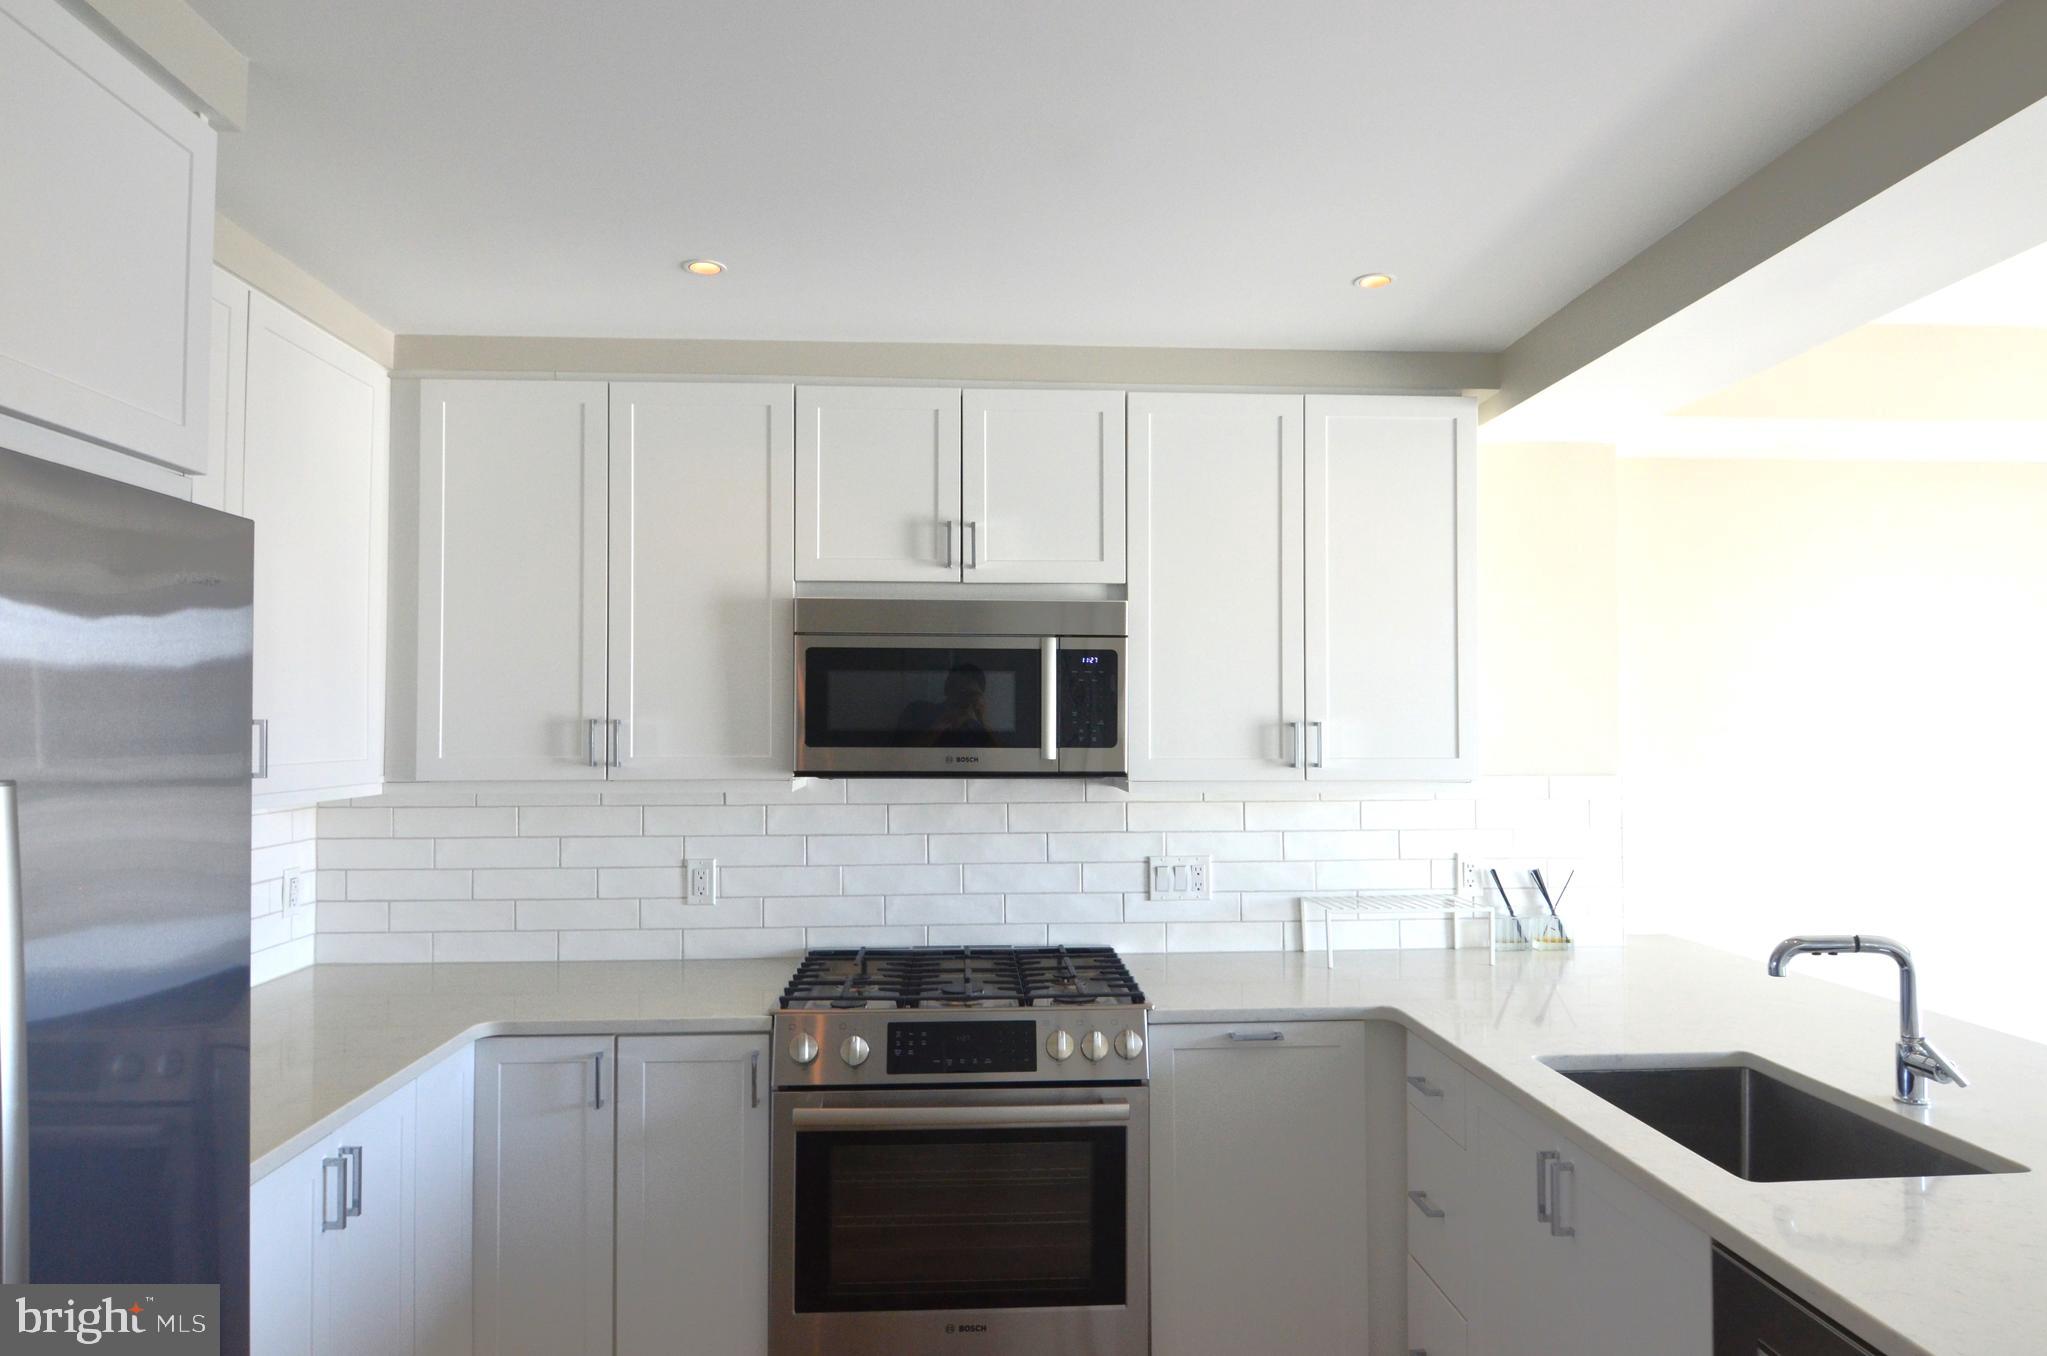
961	976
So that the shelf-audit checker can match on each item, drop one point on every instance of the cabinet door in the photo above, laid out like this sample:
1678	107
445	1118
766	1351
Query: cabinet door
1518	1302
106	226
362	1274
227	375
693	1202
1258	1188
1215	587
1392	561
511	579
878	483
1042	480
316	483
443	1205
702	578
284	1227
544	1160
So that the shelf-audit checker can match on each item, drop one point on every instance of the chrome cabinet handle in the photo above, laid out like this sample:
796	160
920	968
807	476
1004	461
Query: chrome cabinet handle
1421	1203
950	528
1293	743
972	542
1542	1194
593	746
1048	679
262	727
753	1079
353	1176
333	1213
1258	1035
616	756
1423	1086
1557	1227
13	1049
1316	726
597	1073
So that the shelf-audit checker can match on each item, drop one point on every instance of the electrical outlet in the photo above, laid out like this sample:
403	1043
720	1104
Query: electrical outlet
700	880
1471	877
1177	877
294	887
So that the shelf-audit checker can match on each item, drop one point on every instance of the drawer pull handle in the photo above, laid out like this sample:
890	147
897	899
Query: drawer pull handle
1258	1035
1557	1227
1542	1161
1422	1203
1423	1086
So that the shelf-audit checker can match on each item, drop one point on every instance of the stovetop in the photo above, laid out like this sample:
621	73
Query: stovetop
961	977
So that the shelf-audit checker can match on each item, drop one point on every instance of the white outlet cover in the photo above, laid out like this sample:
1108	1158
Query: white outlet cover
1178	877
700	880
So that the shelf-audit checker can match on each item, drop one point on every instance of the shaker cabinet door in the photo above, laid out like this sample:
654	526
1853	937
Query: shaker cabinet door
1042	480
1215	587
702	586
512	562
878	484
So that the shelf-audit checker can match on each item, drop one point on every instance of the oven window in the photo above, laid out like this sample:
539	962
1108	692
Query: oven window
960	1219
922	697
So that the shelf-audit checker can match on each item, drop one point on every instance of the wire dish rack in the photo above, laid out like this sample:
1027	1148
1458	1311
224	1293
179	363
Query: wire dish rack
1403	906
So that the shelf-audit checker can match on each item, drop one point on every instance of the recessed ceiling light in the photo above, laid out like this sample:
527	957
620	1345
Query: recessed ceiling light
1372	282
703	268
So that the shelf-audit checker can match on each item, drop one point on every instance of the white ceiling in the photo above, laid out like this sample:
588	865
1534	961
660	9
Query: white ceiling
2011	293
1163	172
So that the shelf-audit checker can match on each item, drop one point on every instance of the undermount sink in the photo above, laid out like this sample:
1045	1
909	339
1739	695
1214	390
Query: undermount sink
1764	1129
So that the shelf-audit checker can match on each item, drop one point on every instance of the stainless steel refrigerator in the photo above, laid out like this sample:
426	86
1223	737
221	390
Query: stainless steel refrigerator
124	887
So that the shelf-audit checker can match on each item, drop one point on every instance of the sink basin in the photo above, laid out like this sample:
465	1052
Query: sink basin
1762	1128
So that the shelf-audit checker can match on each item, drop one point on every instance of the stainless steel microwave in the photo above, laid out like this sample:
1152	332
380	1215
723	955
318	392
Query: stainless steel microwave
970	687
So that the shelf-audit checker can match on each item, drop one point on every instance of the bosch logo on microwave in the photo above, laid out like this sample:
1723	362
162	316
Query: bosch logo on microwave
966	1327
963	758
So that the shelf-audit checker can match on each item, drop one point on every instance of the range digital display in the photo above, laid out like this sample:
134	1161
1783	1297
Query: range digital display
962	1047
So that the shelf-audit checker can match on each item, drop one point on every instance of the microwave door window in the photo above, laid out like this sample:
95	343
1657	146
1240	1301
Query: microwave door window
859	697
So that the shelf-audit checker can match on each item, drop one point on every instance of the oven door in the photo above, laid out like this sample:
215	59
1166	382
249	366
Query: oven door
1015	1217
958	705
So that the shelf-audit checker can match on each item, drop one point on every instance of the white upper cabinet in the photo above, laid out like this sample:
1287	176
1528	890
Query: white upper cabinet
106	226
315	479
1216	614
702	578
1392	567
878	483
1042	485
220	485
512	568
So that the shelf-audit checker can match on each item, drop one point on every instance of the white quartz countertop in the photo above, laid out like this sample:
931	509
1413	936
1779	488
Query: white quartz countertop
1951	1266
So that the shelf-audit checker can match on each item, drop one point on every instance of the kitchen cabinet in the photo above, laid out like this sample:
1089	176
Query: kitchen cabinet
1536	1245
546	1110
1392	562
314	477
918	484
1217	619
1258	1188
331	1242
443	1195
702	582
693	1195
1301	587
1042	487
106	224
878	483
226	395
513	584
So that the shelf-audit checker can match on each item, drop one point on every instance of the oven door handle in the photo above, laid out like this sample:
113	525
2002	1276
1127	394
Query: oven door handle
957	1117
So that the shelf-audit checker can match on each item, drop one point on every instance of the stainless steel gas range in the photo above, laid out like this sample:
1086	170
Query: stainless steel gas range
960	1154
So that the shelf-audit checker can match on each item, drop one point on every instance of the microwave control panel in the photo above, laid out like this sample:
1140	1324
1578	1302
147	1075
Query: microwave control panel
1088	709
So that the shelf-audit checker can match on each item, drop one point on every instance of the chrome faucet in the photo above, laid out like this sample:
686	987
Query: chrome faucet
1918	1061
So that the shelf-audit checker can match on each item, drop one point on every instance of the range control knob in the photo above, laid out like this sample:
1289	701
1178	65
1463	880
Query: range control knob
1059	1046
854	1051
803	1049
1130	1045
1095	1046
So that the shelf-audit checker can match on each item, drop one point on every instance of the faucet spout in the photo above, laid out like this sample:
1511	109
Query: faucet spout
1917	1061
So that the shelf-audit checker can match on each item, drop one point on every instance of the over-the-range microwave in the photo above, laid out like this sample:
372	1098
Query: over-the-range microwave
969	687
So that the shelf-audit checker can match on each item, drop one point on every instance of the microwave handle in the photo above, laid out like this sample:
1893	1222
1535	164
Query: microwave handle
1048	655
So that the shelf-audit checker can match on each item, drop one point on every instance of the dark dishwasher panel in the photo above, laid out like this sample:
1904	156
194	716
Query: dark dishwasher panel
1753	1316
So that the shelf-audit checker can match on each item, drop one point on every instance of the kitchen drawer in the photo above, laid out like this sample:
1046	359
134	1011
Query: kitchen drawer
1434	1327
1440	1171
1437	1086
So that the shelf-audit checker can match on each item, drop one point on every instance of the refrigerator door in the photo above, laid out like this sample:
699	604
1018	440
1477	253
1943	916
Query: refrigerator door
124	723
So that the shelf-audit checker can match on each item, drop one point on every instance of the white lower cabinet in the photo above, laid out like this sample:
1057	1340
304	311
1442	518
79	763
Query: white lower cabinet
545	1113
1520	1242
1258	1189
693	1196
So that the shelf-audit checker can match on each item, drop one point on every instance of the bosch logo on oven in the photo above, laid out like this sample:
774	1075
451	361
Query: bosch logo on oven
963	758
963	1328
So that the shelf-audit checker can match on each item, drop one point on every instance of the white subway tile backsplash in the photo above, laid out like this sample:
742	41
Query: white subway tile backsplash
594	872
